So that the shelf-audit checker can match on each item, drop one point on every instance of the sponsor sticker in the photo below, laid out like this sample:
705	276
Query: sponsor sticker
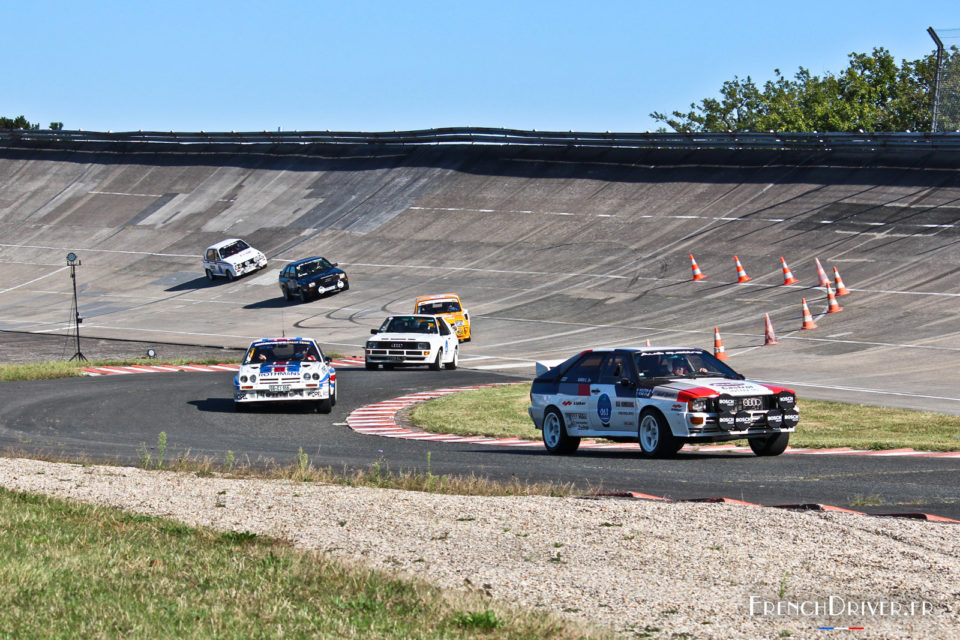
677	407
624	403
644	392
604	409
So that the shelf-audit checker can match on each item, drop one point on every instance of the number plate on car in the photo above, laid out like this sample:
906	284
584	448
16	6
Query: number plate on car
395	358
279	387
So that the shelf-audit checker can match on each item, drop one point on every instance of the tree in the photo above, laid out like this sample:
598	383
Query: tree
20	122
871	94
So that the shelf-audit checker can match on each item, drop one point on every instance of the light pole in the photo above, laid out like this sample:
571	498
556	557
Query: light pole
73	262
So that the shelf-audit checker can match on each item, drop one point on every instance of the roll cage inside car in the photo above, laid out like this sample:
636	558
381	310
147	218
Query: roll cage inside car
233	248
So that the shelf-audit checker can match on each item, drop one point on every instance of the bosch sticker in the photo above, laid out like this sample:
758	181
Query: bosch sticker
604	408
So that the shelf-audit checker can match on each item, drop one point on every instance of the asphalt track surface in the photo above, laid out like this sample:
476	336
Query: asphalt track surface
114	418
553	251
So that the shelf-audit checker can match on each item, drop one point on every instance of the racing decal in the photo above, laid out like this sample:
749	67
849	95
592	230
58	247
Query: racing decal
604	409
677	407
574	403
625	403
573	389
644	392
695	392
666	395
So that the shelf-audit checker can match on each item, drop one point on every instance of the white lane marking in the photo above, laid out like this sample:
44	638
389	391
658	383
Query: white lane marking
514	365
838	387
118	193
23	284
79	249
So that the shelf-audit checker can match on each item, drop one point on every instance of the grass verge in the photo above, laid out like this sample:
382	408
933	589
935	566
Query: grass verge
74	570
502	412
60	369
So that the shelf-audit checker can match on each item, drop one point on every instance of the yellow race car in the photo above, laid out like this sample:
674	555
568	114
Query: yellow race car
448	306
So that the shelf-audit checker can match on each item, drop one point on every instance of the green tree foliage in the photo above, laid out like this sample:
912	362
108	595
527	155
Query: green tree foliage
20	122
872	94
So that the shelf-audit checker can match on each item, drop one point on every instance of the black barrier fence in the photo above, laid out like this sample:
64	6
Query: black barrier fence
504	137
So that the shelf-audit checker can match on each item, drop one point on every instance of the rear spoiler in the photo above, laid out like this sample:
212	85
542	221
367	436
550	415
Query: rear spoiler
545	365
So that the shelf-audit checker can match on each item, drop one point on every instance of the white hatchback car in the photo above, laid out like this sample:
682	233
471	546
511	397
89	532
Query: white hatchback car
231	259
413	339
285	370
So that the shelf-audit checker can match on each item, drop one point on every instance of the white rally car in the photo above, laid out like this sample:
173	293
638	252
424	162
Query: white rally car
285	370
413	339
662	397
231	259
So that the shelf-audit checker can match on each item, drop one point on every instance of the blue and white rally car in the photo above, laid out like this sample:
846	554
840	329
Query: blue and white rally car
661	397
285	370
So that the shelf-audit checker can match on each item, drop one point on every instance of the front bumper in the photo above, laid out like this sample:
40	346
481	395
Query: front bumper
250	266
399	356
716	427
293	393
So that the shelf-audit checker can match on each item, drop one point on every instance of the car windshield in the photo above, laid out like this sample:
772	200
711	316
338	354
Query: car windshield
312	267
409	324
681	364
274	352
439	306
233	248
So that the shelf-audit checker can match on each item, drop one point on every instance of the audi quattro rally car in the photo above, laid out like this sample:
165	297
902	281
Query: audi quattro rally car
661	397
449	306
413	339
312	277
285	370
231	259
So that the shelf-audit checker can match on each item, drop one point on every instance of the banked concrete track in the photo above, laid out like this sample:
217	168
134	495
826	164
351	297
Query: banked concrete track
553	250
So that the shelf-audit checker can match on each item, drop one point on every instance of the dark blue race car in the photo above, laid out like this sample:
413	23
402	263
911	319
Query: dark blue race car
311	278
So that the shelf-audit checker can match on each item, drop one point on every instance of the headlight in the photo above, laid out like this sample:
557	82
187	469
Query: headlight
253	378
306	376
371	345
698	405
313	285
243	378
316	376
423	346
458	323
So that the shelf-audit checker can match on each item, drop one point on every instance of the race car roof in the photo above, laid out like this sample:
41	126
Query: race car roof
223	243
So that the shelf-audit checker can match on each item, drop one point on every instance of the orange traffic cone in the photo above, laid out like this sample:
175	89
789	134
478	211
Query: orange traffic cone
768	336
697	274
808	322
832	305
824	281
787	275
741	274
841	290
718	351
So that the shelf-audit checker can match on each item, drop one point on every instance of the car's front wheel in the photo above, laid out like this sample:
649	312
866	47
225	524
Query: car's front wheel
370	366
230	275
435	365
770	446
287	295
555	437
656	439
455	360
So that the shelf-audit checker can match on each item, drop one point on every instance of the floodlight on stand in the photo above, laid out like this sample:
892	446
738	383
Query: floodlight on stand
73	262
151	353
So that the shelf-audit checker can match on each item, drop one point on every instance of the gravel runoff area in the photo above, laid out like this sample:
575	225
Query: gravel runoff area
642	568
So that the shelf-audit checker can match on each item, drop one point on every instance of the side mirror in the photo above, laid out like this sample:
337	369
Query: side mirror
335	263
374	332
327	359
627	382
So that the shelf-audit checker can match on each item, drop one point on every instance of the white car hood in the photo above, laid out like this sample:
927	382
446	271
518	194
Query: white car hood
405	337
239	258
736	388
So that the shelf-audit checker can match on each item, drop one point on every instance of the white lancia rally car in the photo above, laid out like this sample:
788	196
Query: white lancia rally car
285	370
661	397
413	339
231	259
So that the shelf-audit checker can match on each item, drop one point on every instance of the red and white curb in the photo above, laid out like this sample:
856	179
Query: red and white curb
192	368
379	419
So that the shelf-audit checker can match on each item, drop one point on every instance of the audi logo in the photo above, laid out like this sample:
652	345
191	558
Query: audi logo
752	403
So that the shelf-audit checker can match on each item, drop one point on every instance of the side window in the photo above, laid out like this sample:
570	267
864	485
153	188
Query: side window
615	368
444	329
212	255
587	370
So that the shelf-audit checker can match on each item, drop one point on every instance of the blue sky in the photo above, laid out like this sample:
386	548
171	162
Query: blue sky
600	65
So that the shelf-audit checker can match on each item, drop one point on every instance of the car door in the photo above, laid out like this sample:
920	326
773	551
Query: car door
447	335
614	403
578	401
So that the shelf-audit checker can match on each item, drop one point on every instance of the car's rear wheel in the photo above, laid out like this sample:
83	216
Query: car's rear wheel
771	446
324	406
555	437
209	274
455	360
333	393
656	439
435	365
